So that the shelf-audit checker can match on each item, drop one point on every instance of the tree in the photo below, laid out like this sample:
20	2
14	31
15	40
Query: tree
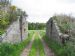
13	14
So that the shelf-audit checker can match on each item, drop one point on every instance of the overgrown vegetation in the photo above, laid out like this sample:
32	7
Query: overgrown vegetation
8	14
37	47
64	22
7	49
36	26
59	50
67	26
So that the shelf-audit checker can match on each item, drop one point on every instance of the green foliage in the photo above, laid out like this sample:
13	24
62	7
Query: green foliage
64	27
4	21
8	17
2	31
67	26
36	26
64	22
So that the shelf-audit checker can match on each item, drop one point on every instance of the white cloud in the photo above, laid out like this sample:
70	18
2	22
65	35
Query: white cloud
42	10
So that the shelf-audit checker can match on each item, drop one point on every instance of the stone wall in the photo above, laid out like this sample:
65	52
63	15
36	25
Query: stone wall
12	34
53	31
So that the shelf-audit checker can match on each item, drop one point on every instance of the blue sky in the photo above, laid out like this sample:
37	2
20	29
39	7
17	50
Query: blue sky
42	10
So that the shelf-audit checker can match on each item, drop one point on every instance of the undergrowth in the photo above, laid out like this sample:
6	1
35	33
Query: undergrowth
58	49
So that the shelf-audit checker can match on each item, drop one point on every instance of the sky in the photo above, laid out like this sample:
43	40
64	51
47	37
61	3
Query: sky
42	10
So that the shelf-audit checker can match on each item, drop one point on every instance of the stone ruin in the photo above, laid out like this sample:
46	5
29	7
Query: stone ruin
16	32
53	32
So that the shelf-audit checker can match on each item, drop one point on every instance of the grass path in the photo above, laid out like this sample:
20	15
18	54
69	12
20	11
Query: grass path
47	50
27	49
37	47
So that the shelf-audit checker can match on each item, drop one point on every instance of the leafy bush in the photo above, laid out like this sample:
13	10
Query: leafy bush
1	31
64	22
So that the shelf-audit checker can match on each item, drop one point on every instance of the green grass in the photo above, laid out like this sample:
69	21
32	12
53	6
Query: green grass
37	46
53	45
41	48
42	32
58	49
7	49
33	49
